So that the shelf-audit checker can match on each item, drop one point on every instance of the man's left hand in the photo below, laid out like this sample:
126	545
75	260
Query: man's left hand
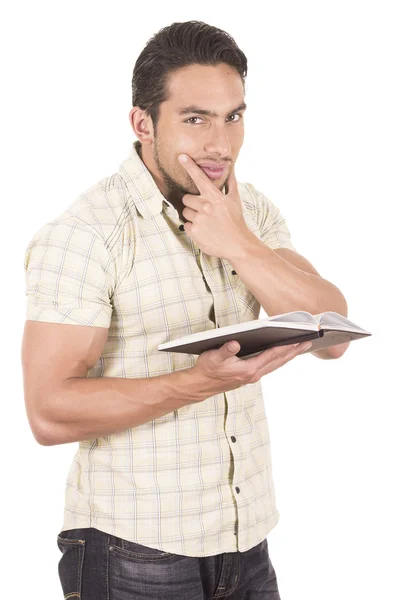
216	221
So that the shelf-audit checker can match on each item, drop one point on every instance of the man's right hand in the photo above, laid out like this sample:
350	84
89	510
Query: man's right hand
221	370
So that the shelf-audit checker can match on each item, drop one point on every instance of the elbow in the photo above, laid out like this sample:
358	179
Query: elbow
44	433
339	350
44	428
332	352
41	412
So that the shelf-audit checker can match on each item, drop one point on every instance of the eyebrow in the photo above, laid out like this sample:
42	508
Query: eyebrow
187	110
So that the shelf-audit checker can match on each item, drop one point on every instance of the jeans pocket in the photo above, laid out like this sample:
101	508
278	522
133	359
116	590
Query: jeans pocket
70	566
137	571
134	551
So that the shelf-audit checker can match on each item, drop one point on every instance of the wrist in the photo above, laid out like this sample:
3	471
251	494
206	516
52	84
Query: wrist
241	251
194	383
198	386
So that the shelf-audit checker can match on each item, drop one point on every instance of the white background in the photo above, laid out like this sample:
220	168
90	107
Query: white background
321	143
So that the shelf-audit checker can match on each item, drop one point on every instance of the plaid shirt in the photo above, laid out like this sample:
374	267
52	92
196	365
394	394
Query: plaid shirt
197	481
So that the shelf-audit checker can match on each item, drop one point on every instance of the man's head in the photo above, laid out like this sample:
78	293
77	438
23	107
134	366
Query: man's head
184	69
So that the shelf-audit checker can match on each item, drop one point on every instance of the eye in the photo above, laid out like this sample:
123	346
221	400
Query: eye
233	121
238	115
187	121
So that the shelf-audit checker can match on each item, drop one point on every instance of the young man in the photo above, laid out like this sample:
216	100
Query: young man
170	494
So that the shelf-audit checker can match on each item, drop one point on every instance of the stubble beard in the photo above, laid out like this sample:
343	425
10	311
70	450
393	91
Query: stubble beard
173	187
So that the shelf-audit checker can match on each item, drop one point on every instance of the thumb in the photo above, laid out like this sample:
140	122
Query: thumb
229	349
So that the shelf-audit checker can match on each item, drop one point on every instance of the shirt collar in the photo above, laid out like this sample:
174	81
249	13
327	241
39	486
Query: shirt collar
147	197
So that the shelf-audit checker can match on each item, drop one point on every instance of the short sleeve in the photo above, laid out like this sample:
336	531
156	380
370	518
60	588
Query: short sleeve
272	225
68	272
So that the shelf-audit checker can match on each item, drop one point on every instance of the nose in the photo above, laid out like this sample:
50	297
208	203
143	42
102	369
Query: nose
218	141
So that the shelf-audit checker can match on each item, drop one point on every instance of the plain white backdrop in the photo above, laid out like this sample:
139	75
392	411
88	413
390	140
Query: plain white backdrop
320	142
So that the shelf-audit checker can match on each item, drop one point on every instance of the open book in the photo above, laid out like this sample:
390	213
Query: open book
323	330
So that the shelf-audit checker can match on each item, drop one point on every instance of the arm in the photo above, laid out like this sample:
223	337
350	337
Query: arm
64	406
71	277
276	283
284	281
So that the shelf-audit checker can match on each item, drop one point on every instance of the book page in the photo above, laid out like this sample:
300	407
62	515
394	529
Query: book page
298	316
333	319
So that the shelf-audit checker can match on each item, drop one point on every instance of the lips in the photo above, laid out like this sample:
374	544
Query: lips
213	171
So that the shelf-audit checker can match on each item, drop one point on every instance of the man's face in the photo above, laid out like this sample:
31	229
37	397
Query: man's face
205	138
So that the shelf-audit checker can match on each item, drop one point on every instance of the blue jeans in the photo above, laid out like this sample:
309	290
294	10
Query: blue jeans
98	566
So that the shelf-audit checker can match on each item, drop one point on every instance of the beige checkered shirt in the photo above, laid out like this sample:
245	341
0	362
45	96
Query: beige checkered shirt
197	481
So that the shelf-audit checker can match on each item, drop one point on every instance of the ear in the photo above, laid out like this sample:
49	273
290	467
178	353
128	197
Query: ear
142	125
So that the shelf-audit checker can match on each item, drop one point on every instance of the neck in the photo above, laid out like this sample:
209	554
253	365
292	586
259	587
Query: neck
173	197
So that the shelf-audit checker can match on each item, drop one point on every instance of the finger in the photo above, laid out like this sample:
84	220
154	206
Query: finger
204	183
192	201
226	351
287	350
188	226
272	354
287	353
189	214
281	359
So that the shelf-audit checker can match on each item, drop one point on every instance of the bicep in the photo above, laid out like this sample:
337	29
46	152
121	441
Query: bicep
51	354
69	286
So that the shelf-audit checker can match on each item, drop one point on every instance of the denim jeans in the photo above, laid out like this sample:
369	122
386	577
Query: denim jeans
98	566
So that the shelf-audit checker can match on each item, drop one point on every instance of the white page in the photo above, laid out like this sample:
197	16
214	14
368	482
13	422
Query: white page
299	316
332	319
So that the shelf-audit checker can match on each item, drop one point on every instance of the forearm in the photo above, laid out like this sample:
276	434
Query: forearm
280	286
86	408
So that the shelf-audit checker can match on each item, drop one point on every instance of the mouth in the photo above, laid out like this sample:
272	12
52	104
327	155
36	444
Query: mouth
213	173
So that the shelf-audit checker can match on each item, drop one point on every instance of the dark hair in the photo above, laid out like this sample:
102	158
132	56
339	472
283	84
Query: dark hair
176	46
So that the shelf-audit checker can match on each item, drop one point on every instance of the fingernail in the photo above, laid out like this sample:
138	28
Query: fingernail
182	158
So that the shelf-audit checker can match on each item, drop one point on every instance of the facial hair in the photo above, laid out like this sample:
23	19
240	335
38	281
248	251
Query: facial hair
175	190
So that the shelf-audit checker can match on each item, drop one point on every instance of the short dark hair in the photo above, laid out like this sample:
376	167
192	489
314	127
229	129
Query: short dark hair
174	47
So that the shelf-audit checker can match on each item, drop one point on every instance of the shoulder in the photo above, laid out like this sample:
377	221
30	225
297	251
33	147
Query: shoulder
270	221
102	209
96	216
254	201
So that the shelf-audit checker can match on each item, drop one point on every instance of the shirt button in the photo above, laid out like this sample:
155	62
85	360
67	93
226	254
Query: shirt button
181	228
233	438
238	490
234	272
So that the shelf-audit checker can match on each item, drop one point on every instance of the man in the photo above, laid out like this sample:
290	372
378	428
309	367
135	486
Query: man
170	494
